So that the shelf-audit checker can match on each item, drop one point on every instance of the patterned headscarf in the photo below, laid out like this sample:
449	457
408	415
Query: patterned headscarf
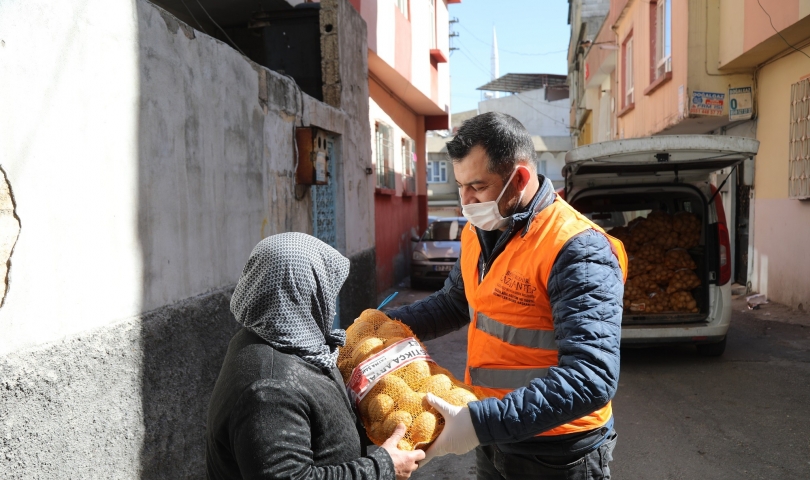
287	296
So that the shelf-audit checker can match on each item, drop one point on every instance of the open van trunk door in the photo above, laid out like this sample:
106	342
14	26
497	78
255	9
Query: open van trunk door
661	159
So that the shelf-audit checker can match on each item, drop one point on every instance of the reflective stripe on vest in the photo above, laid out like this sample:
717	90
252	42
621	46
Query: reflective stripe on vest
523	337
502	378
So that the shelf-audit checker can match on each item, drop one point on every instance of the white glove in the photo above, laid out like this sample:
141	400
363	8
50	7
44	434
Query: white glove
458	436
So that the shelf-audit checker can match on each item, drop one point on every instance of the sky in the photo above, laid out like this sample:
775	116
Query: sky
528	31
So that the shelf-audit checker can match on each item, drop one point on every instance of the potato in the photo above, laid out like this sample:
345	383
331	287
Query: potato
365	348
357	331
459	397
423	427
393	419
379	407
392	329
436	384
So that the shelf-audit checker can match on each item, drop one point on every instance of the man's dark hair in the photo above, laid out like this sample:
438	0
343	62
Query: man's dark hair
503	138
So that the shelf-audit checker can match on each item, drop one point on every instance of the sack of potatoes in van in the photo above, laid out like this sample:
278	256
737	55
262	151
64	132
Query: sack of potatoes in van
388	374
656	302
683	280
686	227
683	302
678	258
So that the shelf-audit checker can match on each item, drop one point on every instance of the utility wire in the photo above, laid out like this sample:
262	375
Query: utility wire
510	51
221	29
193	17
544	114
777	31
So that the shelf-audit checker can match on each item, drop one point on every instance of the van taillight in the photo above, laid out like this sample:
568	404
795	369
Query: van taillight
724	254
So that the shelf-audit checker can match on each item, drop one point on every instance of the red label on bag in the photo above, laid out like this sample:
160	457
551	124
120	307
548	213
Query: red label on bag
392	358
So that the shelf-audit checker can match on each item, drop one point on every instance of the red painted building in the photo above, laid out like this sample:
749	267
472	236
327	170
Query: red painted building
409	94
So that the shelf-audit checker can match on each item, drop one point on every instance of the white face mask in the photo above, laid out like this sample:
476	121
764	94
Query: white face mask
486	215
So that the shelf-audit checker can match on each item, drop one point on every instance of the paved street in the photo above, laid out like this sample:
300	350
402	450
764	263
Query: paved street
682	416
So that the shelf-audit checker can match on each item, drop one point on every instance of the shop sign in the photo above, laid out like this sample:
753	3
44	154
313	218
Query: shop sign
707	103
739	104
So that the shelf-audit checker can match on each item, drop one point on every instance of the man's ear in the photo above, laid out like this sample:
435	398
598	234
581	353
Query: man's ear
524	175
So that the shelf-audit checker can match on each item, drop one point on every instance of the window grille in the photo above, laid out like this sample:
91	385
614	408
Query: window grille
409	165
799	160
663	37
629	97
384	157
437	172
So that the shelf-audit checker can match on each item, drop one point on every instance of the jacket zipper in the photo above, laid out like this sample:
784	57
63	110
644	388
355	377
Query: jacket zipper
499	246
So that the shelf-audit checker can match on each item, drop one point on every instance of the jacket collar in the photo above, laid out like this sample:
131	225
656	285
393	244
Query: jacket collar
543	198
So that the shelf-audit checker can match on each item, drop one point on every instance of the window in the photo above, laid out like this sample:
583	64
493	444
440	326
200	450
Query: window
403	6
662	38
436	172
799	148
432	8
409	164
384	156
627	73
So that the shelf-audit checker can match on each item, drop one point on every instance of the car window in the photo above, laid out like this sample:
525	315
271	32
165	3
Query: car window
443	230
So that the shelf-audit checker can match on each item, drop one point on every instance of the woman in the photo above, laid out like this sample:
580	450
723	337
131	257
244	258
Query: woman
279	408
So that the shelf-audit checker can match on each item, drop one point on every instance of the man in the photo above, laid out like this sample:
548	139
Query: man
541	287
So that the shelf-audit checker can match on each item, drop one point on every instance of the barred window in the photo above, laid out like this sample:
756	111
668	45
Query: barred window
799	161
409	165
384	156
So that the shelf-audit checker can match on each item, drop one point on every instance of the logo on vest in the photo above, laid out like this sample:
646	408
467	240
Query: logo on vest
516	288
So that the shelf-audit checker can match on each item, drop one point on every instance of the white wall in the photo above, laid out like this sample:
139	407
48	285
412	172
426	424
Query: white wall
538	116
143	162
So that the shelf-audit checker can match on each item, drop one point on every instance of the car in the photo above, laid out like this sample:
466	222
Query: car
435	252
655	195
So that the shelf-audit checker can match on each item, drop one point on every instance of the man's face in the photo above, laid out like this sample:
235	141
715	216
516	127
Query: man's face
476	184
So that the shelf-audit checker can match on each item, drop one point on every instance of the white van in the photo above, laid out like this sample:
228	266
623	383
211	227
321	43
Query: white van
654	194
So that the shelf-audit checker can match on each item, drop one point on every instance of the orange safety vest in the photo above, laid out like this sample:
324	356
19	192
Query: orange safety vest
511	335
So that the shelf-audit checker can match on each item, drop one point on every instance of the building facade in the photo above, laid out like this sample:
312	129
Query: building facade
720	67
409	94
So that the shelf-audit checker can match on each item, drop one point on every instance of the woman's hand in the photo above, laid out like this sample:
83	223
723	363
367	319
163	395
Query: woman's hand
404	462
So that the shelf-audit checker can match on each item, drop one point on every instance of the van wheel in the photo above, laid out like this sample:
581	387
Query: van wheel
712	349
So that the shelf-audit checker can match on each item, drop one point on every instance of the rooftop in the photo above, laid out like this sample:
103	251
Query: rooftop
521	82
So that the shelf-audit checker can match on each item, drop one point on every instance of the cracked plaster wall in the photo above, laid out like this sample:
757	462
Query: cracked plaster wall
147	159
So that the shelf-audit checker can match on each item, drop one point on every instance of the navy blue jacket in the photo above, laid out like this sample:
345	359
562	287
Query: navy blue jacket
585	288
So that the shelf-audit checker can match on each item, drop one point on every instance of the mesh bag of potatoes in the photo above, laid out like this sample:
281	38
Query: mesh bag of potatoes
683	280
656	302
683	302
388	373
687	228
678	258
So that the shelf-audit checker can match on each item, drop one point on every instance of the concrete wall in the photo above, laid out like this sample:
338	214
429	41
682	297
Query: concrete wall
530	108
779	265
146	160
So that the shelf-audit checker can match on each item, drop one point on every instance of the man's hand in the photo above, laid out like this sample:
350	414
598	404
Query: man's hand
458	436
405	463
